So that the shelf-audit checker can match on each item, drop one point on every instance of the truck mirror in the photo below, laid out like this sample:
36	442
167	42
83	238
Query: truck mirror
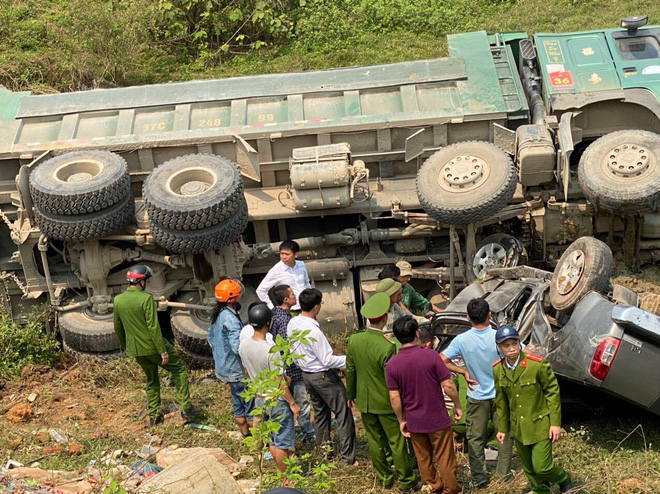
632	24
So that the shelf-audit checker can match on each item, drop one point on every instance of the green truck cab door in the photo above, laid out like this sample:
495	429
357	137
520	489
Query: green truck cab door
637	59
575	63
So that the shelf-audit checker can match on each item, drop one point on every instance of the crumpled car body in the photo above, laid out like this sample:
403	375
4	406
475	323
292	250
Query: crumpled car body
605	342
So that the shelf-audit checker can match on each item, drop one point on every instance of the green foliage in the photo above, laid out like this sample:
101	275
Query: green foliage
25	344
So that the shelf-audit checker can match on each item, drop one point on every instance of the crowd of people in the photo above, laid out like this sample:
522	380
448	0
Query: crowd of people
398	382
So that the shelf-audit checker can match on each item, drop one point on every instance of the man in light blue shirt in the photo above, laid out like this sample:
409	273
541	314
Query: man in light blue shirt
478	350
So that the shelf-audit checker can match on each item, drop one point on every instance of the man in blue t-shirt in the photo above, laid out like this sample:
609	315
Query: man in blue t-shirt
478	350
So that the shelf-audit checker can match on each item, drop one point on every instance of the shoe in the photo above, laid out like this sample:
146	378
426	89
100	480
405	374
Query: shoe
308	440
156	421
566	486
389	487
417	487
191	413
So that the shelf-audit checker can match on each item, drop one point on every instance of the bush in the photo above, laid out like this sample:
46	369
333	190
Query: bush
26	344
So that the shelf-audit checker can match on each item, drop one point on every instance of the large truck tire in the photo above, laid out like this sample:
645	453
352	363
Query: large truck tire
88	334
194	360
193	192
197	241
499	250
466	182
80	182
91	356
86	226
190	330
584	267
620	172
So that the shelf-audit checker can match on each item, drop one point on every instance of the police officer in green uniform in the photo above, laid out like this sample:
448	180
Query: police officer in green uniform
366	357
528	404
138	331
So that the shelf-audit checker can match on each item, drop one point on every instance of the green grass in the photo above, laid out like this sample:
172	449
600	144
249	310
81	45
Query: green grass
58	45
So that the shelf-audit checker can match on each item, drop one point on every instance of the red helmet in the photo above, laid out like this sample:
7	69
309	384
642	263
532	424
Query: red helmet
227	290
138	273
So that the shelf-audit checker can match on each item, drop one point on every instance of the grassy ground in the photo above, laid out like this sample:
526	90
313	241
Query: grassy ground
58	45
101	407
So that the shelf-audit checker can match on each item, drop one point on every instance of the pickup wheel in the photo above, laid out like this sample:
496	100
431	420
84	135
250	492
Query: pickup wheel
466	182
80	182
91	356
620	172
193	192
194	360
84	333
497	251
197	241
190	326
86	226
584	267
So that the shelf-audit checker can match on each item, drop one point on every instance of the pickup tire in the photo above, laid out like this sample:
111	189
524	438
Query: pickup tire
197	241
466	182
80	182
499	250
87	334
584	267
87	226
190	330
194	360
620	172
91	356
193	192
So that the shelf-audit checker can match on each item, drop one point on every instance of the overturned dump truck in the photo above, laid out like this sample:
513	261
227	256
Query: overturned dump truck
503	153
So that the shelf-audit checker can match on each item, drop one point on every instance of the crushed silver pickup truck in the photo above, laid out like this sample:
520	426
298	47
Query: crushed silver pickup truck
502	153
590	331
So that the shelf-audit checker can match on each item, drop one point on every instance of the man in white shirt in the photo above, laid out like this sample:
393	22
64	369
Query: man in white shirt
326	390
289	271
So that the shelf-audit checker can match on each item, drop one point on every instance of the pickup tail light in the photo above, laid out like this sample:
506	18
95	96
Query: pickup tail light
603	357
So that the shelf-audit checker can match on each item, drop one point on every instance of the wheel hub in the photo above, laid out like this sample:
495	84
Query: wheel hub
628	160
462	171
193	188
489	256
77	178
570	272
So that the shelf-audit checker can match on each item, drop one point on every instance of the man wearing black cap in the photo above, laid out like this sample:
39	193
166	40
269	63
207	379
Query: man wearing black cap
256	357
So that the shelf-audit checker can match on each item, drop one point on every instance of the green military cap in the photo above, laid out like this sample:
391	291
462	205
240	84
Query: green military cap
388	285
377	306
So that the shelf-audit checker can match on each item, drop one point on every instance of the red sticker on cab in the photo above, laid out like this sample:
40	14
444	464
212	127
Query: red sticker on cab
561	79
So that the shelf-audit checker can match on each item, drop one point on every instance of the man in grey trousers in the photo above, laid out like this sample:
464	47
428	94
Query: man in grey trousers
326	391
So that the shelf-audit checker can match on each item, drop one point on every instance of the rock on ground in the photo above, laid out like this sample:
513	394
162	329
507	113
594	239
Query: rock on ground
167	457
198	472
20	413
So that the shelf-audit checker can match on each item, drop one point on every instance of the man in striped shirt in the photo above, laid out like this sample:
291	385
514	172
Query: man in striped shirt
283	298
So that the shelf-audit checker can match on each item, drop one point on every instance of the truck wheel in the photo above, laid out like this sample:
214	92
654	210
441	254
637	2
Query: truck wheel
620	172
191	327
584	267
88	334
86	226
194	360
197	241
91	356
497	251
193	192
80	182
466	182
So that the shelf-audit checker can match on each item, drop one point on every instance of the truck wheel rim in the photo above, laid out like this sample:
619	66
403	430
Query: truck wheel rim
570	272
489	256
191	181
463	173
78	171
628	161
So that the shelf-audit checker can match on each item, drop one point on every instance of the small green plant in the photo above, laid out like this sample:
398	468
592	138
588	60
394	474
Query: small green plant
25	344
266	389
